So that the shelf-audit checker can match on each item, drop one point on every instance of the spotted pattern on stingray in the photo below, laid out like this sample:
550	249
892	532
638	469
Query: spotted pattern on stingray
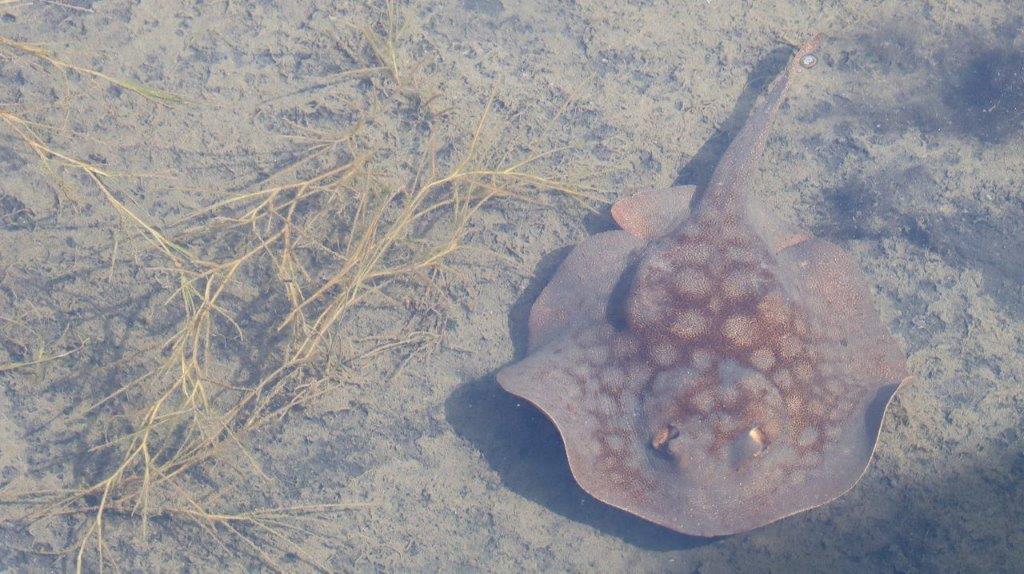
607	377
744	355
742	379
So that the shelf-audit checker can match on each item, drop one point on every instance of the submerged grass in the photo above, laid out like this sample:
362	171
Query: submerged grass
41	53
39	360
348	237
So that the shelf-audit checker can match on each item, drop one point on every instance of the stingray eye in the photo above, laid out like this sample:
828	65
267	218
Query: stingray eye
809	61
660	440
747	447
757	438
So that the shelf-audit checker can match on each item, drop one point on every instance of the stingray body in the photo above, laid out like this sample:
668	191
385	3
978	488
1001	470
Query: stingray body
744	375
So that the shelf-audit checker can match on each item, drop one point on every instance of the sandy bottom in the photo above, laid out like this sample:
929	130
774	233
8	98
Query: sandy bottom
906	150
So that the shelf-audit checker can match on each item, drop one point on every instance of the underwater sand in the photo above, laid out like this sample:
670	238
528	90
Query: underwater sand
906	150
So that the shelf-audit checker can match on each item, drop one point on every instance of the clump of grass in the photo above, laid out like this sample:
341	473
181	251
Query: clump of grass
384	41
381	236
347	234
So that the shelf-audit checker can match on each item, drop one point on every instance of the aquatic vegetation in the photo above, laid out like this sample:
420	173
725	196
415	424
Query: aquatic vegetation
61	64
348	246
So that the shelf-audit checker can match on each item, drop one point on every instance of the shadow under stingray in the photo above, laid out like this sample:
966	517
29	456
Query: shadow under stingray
517	440
525	449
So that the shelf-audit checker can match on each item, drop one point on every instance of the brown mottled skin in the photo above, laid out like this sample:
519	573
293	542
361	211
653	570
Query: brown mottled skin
745	375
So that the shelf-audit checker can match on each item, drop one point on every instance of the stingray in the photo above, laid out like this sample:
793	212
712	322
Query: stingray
709	367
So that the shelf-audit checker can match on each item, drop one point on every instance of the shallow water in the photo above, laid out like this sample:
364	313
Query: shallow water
906	150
